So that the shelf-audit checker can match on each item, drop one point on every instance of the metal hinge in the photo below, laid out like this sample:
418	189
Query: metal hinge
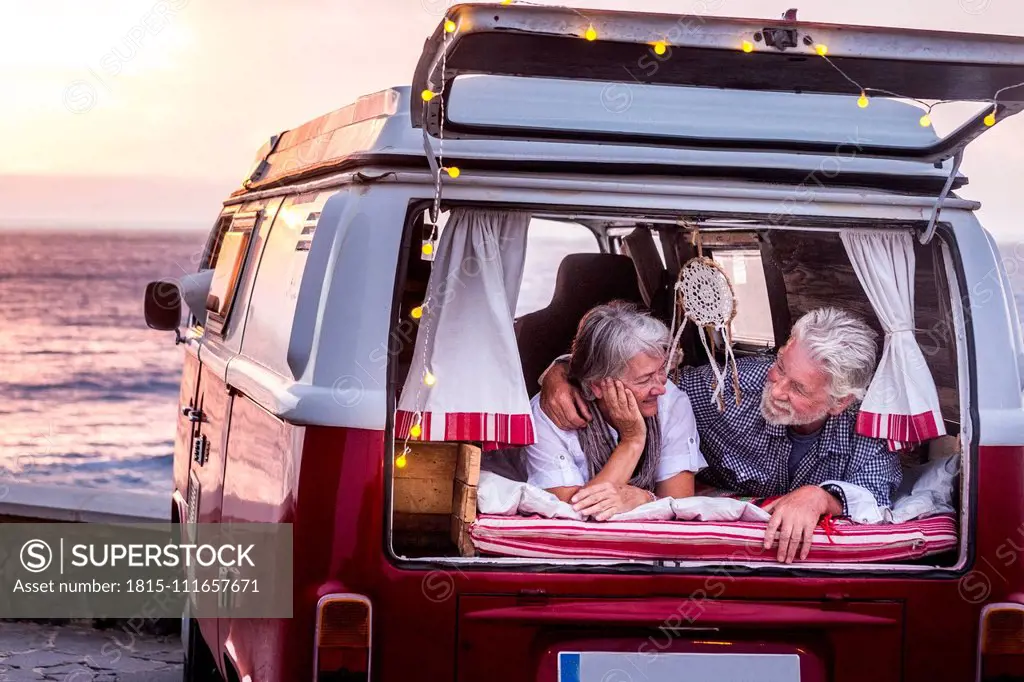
200	449
193	414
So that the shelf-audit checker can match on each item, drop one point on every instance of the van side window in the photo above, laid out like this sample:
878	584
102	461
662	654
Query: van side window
212	250
753	323
547	243
229	261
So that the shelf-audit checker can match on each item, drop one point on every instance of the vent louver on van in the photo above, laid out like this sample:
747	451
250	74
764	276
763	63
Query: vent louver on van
708	52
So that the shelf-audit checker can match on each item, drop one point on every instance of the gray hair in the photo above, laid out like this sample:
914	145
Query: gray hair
608	337
844	345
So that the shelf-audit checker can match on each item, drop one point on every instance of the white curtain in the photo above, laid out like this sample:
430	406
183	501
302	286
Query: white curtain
466	381
902	404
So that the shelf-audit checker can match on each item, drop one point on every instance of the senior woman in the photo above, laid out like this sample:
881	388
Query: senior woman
642	443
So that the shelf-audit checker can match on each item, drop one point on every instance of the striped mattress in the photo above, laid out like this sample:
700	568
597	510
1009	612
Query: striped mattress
841	541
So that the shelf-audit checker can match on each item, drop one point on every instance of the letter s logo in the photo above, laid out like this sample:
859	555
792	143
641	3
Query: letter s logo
36	556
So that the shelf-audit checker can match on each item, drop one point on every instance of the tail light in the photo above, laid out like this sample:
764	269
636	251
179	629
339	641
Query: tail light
343	631
1001	643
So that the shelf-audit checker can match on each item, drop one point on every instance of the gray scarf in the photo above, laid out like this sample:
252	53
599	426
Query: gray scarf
597	444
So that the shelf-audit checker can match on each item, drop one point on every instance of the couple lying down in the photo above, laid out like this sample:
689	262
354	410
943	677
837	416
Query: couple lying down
613	433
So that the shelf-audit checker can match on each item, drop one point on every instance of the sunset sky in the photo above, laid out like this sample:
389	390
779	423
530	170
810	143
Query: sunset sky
147	112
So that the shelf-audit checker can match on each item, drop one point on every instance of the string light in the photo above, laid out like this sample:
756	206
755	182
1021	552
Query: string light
660	48
925	120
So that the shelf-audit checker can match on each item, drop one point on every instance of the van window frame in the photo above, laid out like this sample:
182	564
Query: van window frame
967	510
248	223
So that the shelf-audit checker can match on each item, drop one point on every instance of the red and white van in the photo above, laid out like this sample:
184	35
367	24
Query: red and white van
633	128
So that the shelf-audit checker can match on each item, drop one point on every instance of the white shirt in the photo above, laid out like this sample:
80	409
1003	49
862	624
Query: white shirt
556	459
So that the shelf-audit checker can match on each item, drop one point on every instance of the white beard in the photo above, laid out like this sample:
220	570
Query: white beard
781	414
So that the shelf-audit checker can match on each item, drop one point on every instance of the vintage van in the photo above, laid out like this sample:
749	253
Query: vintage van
309	382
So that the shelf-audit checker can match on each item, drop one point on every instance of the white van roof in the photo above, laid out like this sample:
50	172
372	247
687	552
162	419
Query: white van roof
376	130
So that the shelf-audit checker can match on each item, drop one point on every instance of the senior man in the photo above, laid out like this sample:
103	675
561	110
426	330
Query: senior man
792	434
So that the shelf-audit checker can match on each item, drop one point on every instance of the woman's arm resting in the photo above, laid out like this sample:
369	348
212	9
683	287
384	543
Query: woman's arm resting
620	465
565	493
680	485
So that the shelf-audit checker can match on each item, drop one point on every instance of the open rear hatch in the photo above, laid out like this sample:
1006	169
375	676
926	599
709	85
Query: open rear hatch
526	41
658	639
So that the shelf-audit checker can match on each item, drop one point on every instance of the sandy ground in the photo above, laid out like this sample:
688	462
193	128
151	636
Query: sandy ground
72	653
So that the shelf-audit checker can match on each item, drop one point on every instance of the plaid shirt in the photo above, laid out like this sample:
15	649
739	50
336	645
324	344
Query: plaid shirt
748	455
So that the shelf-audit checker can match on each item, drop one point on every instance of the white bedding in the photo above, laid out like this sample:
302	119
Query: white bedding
926	490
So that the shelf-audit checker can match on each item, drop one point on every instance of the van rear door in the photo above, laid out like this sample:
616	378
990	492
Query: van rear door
700	640
763	56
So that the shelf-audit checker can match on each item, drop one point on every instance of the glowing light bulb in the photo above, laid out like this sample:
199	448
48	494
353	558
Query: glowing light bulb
990	120
591	34
926	121
453	171
449	26
417	312
822	50
429	379
748	46
427	95
660	47
506	2
428	249
401	461
416	430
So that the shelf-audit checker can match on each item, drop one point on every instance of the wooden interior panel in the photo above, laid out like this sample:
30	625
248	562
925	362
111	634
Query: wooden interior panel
817	272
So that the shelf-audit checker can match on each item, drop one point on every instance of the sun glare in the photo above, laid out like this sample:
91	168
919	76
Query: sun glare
62	58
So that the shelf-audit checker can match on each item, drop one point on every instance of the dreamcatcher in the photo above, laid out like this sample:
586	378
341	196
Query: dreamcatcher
704	296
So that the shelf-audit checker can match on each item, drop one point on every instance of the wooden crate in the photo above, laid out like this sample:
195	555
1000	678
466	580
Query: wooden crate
437	489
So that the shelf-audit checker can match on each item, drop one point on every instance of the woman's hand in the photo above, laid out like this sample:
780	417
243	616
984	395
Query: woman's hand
604	500
561	401
623	412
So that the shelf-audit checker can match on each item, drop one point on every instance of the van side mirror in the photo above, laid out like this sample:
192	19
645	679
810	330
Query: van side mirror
162	307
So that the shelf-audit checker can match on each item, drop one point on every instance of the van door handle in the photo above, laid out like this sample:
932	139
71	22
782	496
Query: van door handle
195	416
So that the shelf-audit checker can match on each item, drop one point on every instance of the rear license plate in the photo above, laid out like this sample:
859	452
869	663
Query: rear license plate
600	666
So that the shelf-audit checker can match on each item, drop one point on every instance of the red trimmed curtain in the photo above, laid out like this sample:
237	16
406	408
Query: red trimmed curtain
466	381
902	404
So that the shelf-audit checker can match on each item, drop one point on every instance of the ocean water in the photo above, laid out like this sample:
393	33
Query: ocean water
88	394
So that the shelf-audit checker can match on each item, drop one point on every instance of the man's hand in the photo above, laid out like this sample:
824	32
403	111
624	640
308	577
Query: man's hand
604	500
623	412
794	518
561	401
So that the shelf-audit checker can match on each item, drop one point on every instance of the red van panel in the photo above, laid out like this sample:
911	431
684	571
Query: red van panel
824	636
